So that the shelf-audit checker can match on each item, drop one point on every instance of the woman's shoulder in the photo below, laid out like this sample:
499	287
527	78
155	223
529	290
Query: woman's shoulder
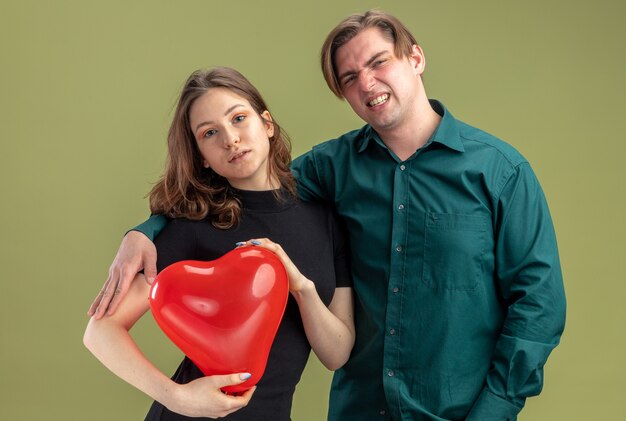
186	226
316	207
321	214
186	223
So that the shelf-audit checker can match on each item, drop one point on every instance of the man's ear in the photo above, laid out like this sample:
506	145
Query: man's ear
417	59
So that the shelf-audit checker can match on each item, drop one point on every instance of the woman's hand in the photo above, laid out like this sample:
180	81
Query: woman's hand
297	281
330	330
109	340
203	398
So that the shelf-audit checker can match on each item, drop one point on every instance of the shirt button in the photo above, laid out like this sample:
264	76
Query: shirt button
400	207
395	290
402	168
390	373
398	249
392	331
382	412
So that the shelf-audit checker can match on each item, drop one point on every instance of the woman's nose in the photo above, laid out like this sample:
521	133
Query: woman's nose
231	138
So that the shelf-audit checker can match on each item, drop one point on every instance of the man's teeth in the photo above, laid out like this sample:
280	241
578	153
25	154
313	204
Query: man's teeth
378	100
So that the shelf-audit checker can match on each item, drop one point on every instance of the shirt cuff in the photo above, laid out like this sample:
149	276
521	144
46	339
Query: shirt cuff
151	227
490	407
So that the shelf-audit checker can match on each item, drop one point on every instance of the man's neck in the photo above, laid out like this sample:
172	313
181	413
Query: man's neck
414	133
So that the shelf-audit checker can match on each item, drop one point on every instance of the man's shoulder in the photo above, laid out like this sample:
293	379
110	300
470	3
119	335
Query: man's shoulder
479	141
348	141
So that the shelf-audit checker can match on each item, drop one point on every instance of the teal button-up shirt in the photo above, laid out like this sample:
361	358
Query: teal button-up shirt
459	294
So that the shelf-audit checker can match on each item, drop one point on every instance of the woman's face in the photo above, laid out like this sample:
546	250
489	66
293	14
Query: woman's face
233	139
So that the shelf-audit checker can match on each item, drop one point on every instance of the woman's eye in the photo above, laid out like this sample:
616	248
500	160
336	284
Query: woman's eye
239	118
209	133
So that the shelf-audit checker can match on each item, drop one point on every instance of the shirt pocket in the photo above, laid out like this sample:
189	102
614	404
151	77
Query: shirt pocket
454	249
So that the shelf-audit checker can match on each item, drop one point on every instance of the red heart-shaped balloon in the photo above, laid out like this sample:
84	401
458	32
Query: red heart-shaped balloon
223	314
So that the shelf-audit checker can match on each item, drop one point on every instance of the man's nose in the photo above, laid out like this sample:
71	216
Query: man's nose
366	80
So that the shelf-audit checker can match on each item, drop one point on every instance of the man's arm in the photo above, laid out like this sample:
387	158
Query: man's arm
531	285
306	173
136	252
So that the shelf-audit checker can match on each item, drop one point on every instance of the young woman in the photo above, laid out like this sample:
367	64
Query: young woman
227	179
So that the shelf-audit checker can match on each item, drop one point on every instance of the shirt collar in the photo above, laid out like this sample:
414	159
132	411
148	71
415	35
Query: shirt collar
447	133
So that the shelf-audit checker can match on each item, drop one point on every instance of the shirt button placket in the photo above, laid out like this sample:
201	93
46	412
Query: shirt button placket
394	313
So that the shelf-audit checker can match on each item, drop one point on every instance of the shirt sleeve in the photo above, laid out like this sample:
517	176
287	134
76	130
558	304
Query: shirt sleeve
311	187
528	272
152	226
306	172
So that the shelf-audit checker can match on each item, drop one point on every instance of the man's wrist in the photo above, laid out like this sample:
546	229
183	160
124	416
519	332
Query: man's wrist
152	226
135	232
490	407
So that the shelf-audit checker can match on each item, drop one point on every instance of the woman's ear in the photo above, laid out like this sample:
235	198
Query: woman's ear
267	120
205	163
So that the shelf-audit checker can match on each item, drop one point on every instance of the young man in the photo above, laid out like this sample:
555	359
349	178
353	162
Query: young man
454	259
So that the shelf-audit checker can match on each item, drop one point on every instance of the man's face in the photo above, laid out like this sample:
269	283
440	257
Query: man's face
380	87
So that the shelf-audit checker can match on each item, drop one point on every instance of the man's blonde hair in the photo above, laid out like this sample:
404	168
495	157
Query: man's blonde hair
390	26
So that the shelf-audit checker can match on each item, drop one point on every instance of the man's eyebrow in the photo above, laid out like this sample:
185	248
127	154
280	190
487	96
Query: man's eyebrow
228	111
375	57
367	64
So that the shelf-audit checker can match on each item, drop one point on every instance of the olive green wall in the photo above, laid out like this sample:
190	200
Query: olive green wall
86	91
